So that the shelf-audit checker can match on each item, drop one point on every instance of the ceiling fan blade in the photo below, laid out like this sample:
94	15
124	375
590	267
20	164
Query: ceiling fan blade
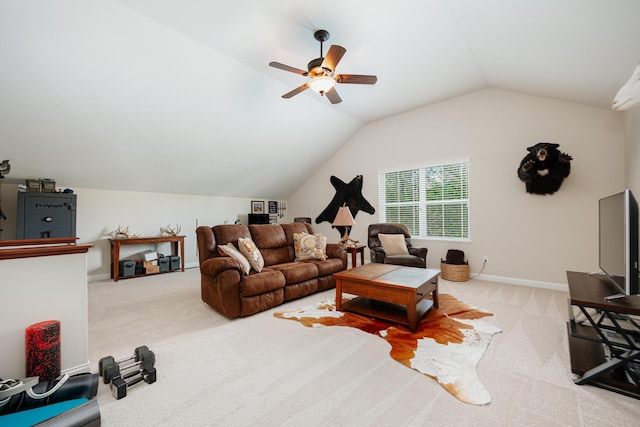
287	68
356	79
332	96
334	55
296	91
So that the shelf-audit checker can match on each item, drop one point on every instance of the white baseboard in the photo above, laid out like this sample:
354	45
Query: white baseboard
81	369
562	287
98	277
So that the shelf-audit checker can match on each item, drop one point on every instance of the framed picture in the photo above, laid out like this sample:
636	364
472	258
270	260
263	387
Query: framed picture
257	207
273	207
273	219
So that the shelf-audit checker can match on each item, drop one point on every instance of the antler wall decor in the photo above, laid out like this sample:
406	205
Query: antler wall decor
123	232
170	231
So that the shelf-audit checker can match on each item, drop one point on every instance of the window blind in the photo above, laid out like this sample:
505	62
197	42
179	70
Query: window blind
433	202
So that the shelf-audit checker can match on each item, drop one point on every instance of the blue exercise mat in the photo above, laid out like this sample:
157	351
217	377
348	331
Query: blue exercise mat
34	416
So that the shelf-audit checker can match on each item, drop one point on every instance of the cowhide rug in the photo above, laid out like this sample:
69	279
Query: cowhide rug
449	342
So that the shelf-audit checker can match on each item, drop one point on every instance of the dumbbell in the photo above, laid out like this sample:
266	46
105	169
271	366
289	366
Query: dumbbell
137	354
120	384
146	361
108	368
109	359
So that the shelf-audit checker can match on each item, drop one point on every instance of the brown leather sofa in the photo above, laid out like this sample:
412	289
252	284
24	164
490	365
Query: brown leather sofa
226	287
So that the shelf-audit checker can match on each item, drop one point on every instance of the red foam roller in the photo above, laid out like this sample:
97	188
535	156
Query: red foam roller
43	350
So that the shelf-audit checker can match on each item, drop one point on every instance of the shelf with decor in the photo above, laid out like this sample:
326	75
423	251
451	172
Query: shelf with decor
177	249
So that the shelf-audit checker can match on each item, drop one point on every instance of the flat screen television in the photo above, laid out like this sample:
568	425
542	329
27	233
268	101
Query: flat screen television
258	219
618	248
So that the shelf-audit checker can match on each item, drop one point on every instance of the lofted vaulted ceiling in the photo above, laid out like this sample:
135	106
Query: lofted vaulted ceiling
177	96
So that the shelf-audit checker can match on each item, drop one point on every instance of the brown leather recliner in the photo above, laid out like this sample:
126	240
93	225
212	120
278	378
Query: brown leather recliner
417	257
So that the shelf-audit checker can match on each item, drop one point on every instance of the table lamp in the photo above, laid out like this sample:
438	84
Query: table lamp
345	219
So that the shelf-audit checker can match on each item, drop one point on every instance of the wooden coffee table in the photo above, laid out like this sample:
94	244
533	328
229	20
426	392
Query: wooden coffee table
389	292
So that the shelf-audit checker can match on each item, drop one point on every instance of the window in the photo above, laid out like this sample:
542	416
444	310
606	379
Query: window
433	202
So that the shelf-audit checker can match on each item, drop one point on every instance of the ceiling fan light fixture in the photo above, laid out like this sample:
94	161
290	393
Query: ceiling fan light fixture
321	84
321	72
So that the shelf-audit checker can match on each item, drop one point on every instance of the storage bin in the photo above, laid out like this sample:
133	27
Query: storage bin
152	269
48	186
174	261
33	185
127	268
163	263
148	255
454	272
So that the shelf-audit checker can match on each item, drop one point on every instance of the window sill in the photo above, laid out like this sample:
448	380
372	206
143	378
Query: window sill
441	239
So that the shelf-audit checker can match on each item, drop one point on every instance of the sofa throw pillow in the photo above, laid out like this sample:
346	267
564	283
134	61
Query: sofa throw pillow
393	244
231	251
310	246
249	250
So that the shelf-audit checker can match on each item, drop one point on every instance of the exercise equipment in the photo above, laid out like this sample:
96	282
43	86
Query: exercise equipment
42	348
21	394
141	355
76	412
122	376
119	384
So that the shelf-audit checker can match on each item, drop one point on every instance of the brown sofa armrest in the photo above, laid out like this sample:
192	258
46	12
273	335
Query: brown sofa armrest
206	242
220	285
215	266
337	250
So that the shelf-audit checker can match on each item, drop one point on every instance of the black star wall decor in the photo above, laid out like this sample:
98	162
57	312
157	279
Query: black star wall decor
349	194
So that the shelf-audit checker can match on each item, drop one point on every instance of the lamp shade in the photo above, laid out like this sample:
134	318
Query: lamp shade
344	218
321	84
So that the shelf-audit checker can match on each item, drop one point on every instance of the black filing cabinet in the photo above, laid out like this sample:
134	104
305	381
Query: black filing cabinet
46	215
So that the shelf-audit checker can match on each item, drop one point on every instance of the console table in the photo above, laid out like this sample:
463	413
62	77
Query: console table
604	342
177	245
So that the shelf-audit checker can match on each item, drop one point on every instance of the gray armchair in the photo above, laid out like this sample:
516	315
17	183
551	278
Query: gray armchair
417	257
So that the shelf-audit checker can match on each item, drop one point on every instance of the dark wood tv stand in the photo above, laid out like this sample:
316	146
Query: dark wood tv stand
607	326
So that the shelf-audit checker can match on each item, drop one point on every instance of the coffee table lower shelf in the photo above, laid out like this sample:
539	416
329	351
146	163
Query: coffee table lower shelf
395	313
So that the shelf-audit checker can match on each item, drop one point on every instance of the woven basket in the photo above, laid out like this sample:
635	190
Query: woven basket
454	273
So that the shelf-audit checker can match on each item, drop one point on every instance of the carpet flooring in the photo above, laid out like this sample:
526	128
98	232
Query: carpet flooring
447	345
264	371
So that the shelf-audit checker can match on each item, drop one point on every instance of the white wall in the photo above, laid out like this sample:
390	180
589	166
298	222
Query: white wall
632	149
528	238
531	239
102	211
39	289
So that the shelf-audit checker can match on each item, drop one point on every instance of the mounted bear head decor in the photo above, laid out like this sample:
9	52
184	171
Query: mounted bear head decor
544	168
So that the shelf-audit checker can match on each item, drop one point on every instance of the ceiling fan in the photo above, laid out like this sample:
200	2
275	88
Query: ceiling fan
322	72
